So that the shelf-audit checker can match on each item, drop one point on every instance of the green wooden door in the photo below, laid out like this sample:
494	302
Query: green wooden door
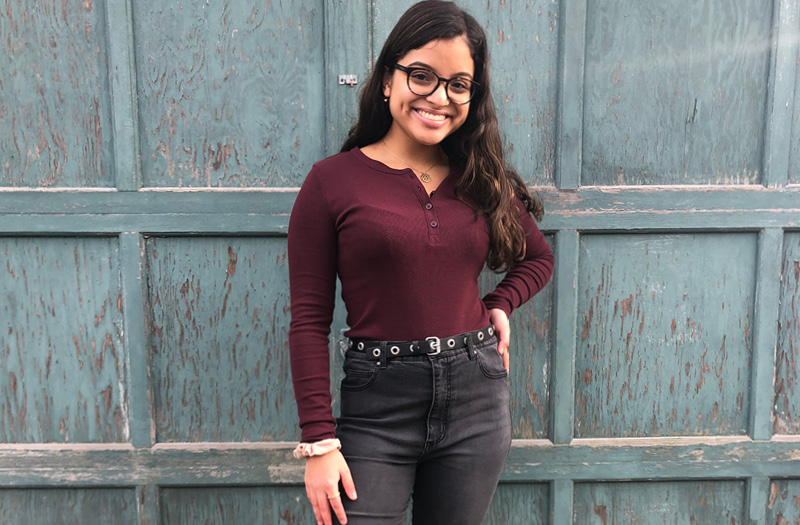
150	154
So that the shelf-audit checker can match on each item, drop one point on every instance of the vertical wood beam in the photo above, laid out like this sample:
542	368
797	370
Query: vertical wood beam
133	283
348	37
757	493
780	99
561	498
147	505
571	54
122	71
562	388
765	331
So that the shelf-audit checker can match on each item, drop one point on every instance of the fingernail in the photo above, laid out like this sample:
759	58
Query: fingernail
353	495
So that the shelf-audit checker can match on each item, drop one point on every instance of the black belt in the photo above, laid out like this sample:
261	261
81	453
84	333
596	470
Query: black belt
430	345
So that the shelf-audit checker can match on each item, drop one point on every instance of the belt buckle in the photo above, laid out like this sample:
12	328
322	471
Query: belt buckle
436	343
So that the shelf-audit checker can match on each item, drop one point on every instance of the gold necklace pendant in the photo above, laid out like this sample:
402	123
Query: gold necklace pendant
424	177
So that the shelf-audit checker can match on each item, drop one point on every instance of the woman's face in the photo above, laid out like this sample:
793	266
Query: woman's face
427	120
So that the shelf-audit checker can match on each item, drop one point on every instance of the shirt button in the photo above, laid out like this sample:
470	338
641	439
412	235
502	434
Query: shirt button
428	206
419	188
434	224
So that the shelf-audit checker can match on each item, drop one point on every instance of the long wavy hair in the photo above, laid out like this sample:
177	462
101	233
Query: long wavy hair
475	148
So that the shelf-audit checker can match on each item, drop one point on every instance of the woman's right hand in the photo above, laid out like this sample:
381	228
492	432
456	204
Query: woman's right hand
322	484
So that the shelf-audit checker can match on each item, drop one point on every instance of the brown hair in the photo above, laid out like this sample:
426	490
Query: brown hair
476	147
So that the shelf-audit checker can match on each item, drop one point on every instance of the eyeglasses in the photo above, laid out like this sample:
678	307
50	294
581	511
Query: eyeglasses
423	82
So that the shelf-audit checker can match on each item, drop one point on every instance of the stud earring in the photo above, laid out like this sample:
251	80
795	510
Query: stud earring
386	99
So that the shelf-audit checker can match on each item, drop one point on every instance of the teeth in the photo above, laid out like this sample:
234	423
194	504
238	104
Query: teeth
431	116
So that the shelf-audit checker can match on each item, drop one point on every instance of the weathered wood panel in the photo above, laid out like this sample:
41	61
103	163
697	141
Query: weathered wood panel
227	505
668	502
786	412
230	93
679	99
783	507
520	504
64	376
531	348
665	340
68	506
218	334
523	46
55	116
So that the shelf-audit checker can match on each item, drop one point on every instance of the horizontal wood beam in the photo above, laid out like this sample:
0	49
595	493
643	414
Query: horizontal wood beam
267	212
272	463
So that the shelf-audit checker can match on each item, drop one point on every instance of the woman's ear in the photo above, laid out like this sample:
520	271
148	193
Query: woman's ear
387	83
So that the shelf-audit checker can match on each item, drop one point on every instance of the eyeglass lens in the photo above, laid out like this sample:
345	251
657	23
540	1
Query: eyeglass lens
423	82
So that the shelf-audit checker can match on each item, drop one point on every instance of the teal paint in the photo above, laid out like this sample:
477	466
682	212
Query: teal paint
664	329
344	58
68	506
55	116
147	504
780	100
224	505
768	272
659	502
123	94
520	504
572	57
131	248
757	493
565	277
561	500
230	94
530	350
680	102
239	464
217	328
64	377
786	409
783	507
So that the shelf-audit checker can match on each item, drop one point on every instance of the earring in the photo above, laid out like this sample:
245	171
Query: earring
386	99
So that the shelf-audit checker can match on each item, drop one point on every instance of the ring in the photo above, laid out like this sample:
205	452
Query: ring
334	496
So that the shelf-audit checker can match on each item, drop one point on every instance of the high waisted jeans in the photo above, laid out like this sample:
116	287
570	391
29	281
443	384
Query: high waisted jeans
432	428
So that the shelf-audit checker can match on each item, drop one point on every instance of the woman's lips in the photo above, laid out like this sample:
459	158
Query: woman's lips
430	117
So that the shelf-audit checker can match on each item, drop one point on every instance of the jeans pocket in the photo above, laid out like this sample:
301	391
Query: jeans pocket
358	374
491	362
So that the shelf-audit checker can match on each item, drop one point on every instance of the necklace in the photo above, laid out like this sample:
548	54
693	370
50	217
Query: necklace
423	176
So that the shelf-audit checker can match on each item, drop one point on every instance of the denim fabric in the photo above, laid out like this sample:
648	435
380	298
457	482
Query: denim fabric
435	428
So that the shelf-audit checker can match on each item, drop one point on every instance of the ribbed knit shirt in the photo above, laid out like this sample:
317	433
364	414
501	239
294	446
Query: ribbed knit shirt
408	264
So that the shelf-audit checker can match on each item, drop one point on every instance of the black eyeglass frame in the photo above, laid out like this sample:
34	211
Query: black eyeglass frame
408	70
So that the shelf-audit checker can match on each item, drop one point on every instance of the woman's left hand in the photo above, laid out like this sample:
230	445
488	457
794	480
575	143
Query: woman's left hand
500	321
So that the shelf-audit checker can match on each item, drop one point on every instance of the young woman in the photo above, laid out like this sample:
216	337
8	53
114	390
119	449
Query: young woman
407	215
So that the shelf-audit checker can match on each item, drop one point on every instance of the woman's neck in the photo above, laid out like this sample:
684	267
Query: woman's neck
401	145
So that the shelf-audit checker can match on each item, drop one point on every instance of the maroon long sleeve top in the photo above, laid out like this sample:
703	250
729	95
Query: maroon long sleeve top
408	263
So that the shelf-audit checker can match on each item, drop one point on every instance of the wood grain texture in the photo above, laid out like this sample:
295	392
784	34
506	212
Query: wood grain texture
55	115
64	375
531	348
667	502
783	506
665	337
680	99
229	505
523	46
230	93
68	506
519	504
786	411
218	337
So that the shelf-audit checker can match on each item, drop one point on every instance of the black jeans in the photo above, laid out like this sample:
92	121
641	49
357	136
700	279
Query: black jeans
433	427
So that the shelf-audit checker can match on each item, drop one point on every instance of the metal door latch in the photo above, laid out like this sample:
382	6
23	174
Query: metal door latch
350	80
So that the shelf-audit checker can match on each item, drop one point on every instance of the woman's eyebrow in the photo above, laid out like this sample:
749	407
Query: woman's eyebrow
462	74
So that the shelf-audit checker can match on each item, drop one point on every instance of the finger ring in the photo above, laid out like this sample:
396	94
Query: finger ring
334	496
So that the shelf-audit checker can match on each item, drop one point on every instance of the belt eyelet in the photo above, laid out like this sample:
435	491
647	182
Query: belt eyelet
480	336
376	352
413	347
451	343
395	350
360	346
490	330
